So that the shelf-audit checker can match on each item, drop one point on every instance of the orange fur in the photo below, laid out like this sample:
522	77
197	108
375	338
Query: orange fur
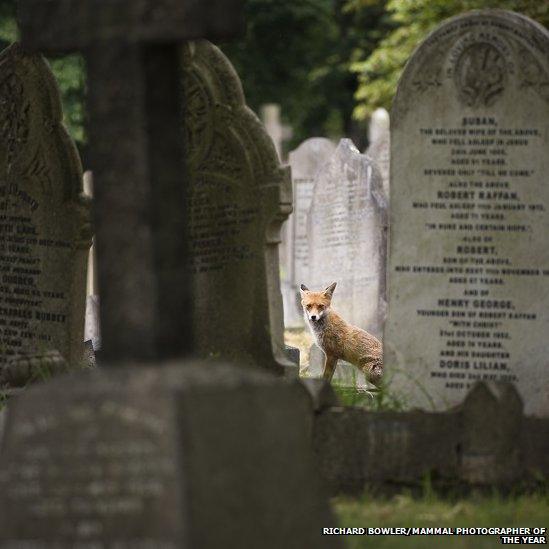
339	339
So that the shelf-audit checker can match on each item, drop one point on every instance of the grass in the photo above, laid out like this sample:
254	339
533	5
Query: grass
431	510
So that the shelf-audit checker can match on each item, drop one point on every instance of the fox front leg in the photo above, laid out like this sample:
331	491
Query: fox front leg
329	368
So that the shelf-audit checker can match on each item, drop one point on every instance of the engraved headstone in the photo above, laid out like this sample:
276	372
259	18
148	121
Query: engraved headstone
305	162
44	217
469	263
346	229
379	149
237	198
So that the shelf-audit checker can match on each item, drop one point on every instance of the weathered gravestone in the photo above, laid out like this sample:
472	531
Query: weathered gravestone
153	457
379	149
305	162
236	200
44	219
153	454
469	263
347	243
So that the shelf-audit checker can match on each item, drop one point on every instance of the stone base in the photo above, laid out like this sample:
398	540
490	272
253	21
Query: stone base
186	455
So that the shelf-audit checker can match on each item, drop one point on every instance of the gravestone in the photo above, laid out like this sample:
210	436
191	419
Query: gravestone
151	449
346	227
379	149
469	263
44	217
305	162
237	198
153	457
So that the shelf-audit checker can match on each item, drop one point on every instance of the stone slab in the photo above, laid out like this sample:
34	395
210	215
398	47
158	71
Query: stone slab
45	230
347	237
469	264
153	457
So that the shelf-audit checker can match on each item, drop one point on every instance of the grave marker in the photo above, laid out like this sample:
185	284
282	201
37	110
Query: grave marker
45	232
306	162
237	197
469	264
346	221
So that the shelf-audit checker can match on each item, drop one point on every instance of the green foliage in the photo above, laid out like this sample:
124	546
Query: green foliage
298	54
378	72
69	72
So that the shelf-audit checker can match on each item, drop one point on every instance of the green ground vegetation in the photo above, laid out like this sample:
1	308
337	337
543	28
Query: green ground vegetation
431	510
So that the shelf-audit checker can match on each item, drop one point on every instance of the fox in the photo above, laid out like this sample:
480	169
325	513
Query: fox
338	339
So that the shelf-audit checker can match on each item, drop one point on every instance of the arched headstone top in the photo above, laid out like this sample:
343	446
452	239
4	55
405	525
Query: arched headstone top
476	58
469	263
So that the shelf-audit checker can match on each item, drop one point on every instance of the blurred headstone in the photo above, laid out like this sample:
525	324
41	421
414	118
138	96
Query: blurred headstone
379	148
45	231
236	200
305	162
469	265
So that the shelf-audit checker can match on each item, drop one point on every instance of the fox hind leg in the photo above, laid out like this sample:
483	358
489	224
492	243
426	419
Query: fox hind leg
372	368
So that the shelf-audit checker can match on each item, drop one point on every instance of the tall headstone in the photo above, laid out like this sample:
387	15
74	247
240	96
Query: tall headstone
379	149
45	231
469	263
346	223
236	200
305	162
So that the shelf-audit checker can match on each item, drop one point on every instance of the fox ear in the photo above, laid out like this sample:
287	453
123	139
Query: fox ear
329	291
304	288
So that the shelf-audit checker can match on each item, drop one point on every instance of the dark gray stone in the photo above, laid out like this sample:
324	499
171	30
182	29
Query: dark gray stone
60	25
45	230
134	90
484	442
237	197
293	354
158	456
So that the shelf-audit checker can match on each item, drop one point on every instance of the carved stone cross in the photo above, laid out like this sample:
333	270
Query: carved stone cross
131	48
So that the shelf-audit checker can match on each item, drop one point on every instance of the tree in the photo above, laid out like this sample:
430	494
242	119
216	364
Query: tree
298	54
378	72
68	70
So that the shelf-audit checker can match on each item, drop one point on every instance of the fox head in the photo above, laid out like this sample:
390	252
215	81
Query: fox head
316	304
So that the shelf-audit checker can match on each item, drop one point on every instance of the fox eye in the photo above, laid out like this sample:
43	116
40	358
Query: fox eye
321	307
309	307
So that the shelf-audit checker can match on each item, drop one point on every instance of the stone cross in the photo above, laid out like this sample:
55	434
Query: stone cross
279	133
131	48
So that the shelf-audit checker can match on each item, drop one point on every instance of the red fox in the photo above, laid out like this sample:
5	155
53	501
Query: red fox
338	339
